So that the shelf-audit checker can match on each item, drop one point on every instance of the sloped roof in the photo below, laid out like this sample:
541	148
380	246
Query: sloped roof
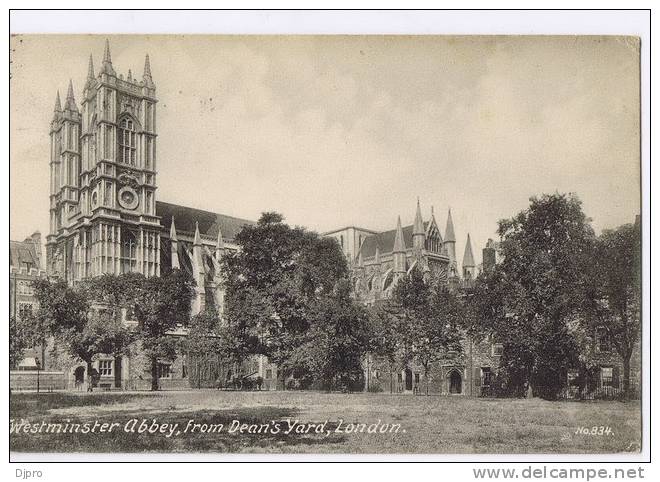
385	241
21	252
209	223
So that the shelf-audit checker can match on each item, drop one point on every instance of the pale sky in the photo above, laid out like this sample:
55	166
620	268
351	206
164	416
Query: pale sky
336	131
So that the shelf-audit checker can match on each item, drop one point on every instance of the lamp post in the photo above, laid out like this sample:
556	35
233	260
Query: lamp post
36	360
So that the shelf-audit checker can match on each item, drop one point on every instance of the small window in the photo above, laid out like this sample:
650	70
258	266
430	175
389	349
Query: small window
377	374
105	368
573	378
164	370
269	373
603	340
606	376
24	310
416	378
25	288
497	349
487	376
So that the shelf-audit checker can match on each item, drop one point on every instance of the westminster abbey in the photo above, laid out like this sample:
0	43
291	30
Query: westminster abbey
105	218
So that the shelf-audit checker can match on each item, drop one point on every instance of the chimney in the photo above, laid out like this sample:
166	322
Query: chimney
35	238
489	256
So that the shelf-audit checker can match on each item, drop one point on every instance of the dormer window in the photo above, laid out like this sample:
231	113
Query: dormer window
127	141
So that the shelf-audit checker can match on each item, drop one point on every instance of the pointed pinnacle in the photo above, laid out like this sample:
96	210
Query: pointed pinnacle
58	104
147	67
418	227
69	94
90	68
106	52
107	68
198	238
468	257
173	231
70	103
220	243
398	238
449	230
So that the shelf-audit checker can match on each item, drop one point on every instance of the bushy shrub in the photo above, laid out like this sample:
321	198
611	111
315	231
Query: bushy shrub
375	388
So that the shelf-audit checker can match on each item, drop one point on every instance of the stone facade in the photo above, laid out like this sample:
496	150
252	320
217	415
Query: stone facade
105	218
26	266
379	261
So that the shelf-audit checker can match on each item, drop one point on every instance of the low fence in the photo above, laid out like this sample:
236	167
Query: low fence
46	381
600	393
568	393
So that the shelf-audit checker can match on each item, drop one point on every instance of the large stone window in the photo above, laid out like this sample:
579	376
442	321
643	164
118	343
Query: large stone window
127	141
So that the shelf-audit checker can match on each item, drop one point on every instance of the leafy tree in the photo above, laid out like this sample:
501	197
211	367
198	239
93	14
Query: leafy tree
384	329
613	291
439	334
336	342
428	321
411	304
114	292
20	339
240	332
272	284
161	303
65	313
530	299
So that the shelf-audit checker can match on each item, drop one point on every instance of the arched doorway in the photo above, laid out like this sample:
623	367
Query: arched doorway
79	376
409	379
455	382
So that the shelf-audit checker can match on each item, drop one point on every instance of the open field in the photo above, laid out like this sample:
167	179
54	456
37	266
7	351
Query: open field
410	424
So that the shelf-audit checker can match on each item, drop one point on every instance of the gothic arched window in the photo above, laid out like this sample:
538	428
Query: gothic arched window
128	252
127	141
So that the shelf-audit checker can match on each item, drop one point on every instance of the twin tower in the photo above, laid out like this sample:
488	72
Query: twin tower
103	177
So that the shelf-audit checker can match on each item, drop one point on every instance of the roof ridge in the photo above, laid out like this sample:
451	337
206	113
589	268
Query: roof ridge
205	211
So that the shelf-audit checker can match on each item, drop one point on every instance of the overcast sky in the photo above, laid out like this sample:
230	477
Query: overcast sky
335	131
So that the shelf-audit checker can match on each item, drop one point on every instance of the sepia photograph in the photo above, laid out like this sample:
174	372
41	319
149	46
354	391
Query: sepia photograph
325	244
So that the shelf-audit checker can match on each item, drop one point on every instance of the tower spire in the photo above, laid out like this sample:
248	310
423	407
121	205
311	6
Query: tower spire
449	245
468	257
58	104
173	231
198	238
219	244
107	68
146	76
70	103
174	246
418	234
418	227
147	67
90	68
469	268
399	245
449	230
106	52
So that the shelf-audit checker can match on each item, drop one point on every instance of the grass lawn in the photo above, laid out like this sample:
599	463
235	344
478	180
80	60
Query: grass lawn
403	423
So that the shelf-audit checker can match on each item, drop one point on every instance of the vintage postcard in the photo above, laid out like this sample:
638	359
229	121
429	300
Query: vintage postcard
348	244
